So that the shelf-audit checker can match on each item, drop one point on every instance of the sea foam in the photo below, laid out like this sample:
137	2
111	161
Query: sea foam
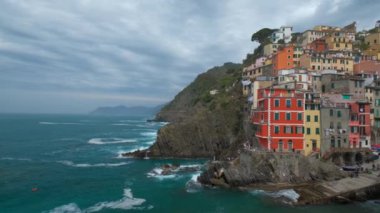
126	203
193	185
67	208
103	141
289	194
57	123
70	163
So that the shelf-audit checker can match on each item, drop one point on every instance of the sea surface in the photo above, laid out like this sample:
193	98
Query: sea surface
72	163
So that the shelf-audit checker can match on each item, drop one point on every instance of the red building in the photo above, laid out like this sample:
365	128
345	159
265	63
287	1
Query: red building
360	124
318	45
279	118
283	59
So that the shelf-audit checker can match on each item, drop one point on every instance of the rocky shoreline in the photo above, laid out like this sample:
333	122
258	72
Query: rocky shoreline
311	180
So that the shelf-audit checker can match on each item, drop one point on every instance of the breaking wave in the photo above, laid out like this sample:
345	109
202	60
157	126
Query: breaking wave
174	172
70	163
149	134
67	208
102	141
126	203
55	123
16	159
289	194
193	185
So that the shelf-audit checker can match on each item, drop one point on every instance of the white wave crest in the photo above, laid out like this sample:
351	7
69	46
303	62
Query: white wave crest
289	194
125	203
193	185
149	134
16	159
70	163
103	141
67	208
57	123
157	173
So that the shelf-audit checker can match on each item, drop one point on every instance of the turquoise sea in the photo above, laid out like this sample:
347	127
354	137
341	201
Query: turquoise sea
72	163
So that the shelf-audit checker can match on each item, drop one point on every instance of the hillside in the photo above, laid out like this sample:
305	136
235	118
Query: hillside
202	124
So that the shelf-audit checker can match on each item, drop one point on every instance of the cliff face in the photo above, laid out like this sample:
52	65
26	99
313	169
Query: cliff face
266	167
202	124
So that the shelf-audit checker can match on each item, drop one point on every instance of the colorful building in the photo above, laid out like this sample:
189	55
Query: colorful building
360	124
318	45
341	62
270	49
312	127
283	59
279	118
284	33
335	115
311	35
338	41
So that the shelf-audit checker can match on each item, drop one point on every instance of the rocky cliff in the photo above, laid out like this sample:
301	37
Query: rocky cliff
206	118
268	167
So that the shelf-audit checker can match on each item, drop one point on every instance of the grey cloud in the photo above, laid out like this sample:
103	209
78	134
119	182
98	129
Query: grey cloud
80	54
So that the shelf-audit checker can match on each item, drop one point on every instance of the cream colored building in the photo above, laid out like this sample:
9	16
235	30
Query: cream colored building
373	40
338	41
270	49
311	35
320	62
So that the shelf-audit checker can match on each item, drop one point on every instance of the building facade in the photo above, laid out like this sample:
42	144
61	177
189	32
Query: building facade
279	119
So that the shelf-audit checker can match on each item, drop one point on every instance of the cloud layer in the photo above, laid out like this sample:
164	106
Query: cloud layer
75	55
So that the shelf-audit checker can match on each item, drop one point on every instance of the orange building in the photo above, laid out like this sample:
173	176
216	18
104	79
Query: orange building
283	59
318	45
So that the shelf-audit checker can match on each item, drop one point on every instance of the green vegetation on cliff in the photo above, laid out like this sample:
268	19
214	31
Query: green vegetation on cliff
204	124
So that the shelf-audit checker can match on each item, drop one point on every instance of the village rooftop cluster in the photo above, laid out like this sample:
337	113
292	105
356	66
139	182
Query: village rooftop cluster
316	91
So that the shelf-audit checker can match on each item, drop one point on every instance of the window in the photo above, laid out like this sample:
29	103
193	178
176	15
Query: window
315	118
331	112
339	125
299	116
332	85
276	116
339	113
288	129
288	103
276	103
280	146
299	130
308	131
288	116
317	131
332	143
308	118
331	125
299	103
276	129
290	145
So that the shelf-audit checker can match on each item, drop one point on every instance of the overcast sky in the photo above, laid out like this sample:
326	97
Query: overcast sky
71	56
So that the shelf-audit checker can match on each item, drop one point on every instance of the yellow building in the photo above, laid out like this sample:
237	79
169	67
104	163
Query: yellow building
311	35
270	49
338	41
373	40
312	127
327	62
298	51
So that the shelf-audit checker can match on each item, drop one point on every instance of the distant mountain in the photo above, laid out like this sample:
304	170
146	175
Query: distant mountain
126	111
